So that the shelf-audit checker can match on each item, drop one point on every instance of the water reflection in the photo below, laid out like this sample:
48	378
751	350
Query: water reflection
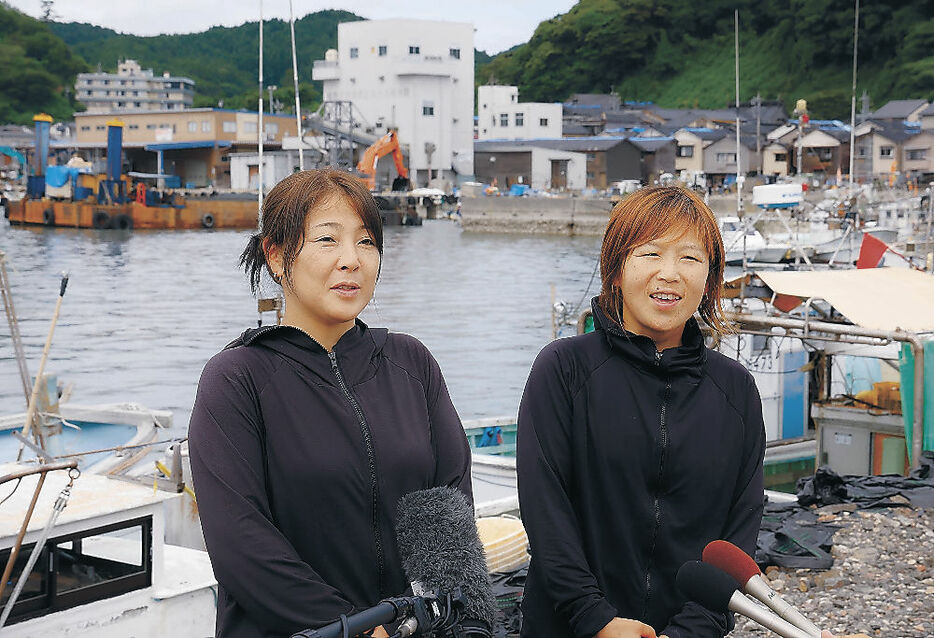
145	309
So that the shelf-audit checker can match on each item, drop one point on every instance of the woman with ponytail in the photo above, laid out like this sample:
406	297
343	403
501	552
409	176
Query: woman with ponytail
637	444
305	435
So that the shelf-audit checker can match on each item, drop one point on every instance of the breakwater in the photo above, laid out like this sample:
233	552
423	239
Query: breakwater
536	215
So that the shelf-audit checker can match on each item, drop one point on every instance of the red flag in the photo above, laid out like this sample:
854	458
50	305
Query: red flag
871	251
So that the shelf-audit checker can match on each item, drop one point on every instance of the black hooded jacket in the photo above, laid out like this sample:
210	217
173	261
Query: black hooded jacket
299	458
630	461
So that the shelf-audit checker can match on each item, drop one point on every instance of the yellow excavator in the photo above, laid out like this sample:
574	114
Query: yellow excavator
388	143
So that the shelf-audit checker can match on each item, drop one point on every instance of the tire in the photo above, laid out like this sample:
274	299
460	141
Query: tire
48	217
207	220
123	222
101	220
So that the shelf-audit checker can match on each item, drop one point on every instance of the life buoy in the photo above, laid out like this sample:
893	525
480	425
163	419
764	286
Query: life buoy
207	220
48	216
101	220
123	222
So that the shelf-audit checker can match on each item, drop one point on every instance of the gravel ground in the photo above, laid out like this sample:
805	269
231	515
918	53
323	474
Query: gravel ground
882	580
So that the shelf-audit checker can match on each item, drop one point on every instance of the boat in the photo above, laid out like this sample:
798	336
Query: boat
740	239
105	569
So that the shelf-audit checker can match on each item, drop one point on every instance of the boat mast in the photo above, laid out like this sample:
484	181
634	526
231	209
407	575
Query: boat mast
853	99
739	185
259	127
298	107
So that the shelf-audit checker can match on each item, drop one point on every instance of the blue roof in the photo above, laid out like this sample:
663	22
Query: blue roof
174	146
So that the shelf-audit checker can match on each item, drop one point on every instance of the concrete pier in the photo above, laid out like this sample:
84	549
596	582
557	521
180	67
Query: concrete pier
535	215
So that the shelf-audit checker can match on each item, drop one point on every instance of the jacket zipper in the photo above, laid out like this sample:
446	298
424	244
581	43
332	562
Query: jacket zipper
371	459
663	435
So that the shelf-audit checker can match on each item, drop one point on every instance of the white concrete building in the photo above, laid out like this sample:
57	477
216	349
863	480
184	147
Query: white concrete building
133	88
415	75
500	115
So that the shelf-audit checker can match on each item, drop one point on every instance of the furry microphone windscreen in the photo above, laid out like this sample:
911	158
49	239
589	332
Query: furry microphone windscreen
441	550
707	585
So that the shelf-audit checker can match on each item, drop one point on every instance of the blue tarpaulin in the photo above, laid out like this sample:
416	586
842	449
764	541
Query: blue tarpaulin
57	176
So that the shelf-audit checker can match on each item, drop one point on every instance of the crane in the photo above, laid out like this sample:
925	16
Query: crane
388	143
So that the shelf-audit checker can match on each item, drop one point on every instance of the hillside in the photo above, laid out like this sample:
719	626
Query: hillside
37	70
679	53
222	61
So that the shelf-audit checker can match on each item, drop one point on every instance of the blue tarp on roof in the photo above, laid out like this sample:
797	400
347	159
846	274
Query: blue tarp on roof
175	146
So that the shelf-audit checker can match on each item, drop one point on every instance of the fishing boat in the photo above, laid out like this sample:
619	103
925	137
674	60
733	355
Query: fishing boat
99	562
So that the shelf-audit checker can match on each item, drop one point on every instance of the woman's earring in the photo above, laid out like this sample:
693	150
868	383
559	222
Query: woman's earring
277	278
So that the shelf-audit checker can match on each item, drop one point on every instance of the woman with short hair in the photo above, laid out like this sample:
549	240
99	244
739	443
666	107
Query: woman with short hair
637	444
305	435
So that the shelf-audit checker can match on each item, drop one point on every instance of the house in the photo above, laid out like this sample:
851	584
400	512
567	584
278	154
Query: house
691	142
500	115
658	156
879	148
776	159
719	157
505	163
927	118
918	157
902	110
414	75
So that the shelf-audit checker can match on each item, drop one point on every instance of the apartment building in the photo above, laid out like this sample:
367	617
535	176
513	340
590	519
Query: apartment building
133	88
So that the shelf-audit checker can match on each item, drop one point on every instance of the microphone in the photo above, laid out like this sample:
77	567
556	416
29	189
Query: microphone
740	566
718	591
441	553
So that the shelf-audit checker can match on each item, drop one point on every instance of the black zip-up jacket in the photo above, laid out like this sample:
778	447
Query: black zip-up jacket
630	461
299	458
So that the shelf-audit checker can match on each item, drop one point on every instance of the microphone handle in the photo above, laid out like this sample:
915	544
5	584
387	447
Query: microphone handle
384	612
742	605
757	588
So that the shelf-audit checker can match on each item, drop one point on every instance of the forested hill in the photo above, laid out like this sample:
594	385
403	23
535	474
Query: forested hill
37	70
679	53
223	61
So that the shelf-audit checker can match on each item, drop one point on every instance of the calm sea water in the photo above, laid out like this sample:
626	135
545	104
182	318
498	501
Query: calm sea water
144	310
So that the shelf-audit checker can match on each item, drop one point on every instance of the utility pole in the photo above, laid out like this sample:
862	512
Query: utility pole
272	104
758	102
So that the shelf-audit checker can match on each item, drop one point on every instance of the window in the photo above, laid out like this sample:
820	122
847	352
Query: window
84	566
133	127
383	49
85	128
249	127
504	119
414	49
101	127
726	158
192	127
205	125
885	151
543	121
271	128
229	126
916	154
685	151
354	52
455	53
591	157
861	151
428	108
825	154
781	157
520	119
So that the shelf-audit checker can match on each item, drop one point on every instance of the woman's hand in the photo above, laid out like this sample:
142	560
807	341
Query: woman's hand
626	628
379	632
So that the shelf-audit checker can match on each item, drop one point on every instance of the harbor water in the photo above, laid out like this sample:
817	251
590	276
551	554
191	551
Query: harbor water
145	310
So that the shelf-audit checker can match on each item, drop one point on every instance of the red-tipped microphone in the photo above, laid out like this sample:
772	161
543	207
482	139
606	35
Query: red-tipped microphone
739	565
719	592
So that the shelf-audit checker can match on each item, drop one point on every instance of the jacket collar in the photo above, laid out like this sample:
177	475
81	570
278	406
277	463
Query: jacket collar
355	351
688	358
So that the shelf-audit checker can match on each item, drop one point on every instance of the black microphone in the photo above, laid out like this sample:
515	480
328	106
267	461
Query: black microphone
420	614
716	590
441	553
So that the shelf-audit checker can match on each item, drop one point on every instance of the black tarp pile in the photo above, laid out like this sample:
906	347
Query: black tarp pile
792	536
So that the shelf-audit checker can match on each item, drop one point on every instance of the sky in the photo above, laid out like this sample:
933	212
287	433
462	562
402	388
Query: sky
499	24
